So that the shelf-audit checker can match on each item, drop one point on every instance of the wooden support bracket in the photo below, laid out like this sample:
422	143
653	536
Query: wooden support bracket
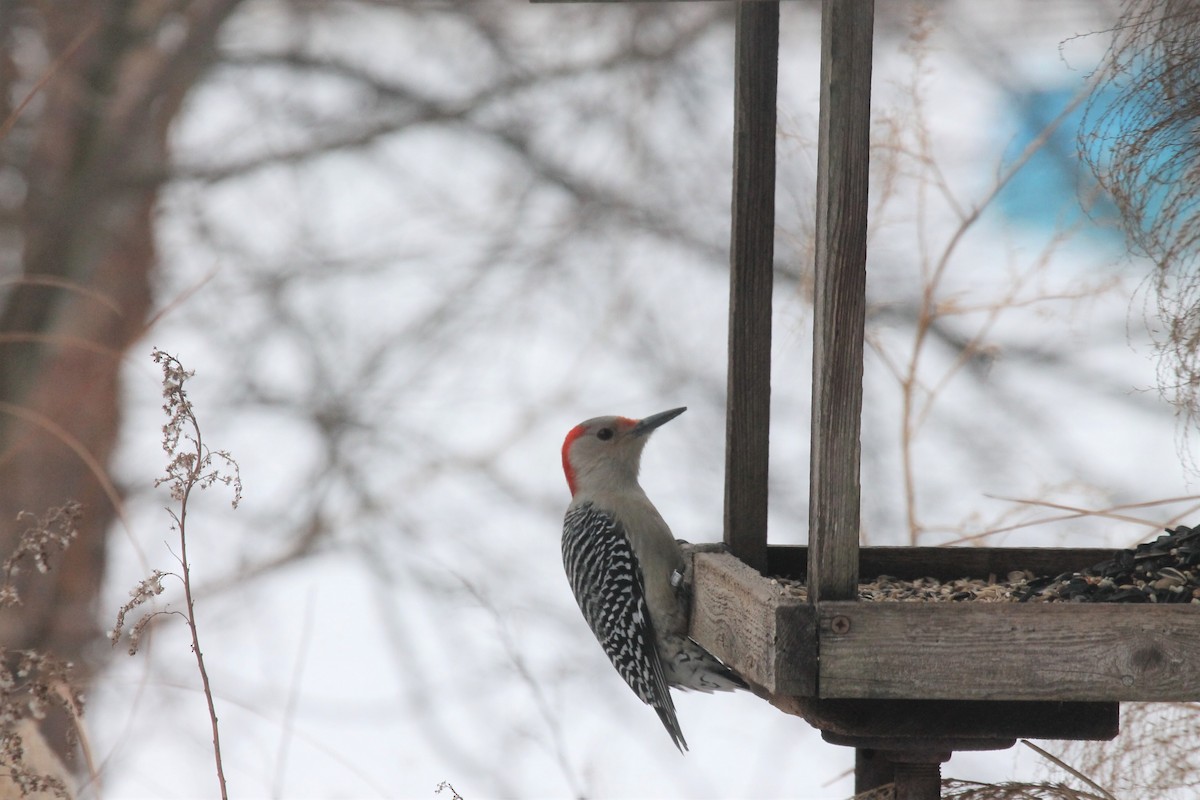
934	673
1081	652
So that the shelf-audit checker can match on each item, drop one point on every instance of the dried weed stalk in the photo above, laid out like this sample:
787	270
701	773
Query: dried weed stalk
33	682
21	760
970	790
192	466
1141	137
1155	757
43	536
1010	790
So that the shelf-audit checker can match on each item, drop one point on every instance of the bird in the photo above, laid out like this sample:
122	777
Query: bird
626	568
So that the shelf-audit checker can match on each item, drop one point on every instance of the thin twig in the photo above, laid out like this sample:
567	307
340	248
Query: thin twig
1104	792
1077	511
293	697
544	707
93	464
911	417
193	479
191	623
187	470
56	282
85	34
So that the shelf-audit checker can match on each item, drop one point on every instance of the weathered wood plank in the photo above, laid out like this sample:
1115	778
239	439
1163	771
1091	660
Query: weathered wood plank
751	254
840	301
733	615
943	651
1007	651
743	619
945	563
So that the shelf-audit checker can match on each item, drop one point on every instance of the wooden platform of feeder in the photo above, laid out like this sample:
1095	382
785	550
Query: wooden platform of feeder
1040	670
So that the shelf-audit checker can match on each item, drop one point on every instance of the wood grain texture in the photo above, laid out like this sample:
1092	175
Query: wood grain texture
752	253
946	563
1005	651
772	640
744	619
840	297
1052	652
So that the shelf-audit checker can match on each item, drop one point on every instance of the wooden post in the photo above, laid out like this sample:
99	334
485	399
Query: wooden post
918	774
918	781
840	305
871	770
752	250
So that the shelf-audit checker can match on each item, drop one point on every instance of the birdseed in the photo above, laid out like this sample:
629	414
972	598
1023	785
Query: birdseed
1166	570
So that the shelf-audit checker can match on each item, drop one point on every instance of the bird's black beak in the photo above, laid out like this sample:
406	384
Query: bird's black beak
645	426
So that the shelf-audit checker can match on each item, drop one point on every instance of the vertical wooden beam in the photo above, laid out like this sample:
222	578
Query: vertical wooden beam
752	252
840	312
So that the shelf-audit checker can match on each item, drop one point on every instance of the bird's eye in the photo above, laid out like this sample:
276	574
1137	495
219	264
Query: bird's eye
604	434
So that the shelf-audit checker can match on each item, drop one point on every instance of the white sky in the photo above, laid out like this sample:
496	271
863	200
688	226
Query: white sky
434	638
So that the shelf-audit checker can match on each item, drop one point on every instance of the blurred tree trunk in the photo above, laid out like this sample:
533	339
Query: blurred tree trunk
77	259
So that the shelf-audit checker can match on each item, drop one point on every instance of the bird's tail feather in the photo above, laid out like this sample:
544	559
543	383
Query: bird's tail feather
690	666
671	723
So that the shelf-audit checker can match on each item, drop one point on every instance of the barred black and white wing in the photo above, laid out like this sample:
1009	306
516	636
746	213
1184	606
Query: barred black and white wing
606	578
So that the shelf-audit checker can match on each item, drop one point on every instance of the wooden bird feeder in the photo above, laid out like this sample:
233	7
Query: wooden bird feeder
904	683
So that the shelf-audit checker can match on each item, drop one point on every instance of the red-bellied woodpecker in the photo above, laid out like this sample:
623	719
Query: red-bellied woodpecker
626	568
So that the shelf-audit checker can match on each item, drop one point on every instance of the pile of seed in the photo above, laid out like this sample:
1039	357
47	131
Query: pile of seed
1162	571
1166	570
890	589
